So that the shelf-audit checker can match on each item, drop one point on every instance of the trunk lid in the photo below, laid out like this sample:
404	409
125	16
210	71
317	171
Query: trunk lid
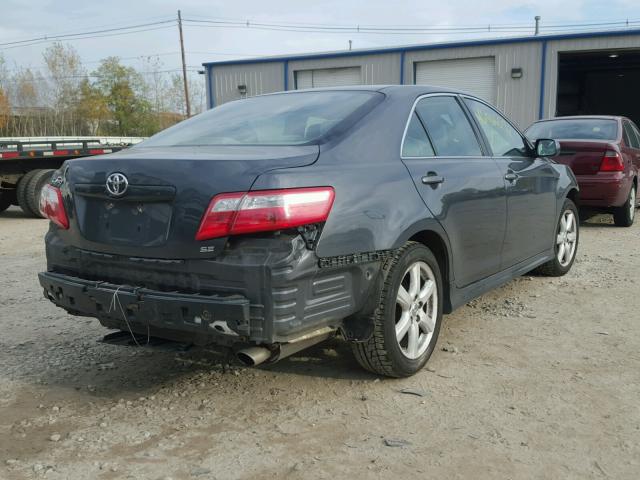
584	157
168	190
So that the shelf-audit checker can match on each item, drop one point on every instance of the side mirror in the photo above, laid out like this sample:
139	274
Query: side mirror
546	147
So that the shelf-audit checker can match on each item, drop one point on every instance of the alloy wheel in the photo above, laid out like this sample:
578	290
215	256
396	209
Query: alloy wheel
632	203
416	310
566	238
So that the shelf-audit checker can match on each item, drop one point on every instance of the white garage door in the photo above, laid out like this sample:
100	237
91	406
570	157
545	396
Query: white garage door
472	75
328	77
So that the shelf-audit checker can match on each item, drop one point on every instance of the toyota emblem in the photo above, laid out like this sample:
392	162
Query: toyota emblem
117	184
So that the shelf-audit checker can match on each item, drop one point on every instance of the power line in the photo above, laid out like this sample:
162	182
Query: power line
121	22
385	29
71	36
93	36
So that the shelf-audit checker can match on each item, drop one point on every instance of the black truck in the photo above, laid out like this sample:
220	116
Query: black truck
26	165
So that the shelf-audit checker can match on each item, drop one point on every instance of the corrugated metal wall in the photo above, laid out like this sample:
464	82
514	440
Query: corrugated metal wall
378	69
259	78
517	98
576	45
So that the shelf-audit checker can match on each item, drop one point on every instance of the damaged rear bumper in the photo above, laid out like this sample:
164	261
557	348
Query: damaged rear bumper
206	316
259	291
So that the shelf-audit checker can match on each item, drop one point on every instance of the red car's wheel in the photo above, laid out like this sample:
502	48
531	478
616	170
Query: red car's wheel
623	216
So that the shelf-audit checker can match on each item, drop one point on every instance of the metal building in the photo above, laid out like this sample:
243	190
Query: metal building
527	78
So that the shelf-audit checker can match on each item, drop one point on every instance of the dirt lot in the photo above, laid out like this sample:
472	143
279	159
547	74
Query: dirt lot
539	379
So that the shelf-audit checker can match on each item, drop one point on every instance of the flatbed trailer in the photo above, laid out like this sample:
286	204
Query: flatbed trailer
26	164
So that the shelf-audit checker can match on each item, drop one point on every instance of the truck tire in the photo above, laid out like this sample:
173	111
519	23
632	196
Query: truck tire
34	187
623	216
5	201
408	316
21	193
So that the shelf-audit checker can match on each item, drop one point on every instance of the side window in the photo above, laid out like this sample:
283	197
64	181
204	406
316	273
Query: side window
416	143
625	135
636	132
630	137
504	140
448	127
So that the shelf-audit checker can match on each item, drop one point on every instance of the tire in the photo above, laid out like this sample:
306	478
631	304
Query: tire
22	195
34	187
560	266
623	216
383	353
5	201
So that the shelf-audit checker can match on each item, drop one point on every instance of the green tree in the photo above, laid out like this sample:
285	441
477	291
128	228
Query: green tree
125	92
92	108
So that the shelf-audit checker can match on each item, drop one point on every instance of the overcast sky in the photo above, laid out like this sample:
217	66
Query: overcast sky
25	19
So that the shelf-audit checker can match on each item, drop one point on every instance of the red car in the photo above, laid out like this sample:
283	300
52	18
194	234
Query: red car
604	154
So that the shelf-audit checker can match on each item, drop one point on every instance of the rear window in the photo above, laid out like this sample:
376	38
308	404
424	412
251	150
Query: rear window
285	119
575	129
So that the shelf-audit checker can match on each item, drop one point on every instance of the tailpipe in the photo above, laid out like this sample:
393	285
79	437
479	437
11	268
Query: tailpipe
253	356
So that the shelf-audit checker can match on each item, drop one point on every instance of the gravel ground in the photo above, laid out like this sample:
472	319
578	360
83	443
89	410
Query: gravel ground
538	379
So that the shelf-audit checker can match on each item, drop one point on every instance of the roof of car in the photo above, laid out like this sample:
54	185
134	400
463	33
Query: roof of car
583	117
393	89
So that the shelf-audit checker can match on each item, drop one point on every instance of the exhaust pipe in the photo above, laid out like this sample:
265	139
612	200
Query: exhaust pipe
253	356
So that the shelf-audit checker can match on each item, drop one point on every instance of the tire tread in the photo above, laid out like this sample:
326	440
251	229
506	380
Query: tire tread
33	190
372	354
22	192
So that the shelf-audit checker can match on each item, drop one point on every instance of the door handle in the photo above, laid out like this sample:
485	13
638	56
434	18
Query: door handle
511	176
432	178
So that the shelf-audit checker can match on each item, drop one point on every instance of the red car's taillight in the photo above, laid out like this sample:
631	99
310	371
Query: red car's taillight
264	211
52	206
612	162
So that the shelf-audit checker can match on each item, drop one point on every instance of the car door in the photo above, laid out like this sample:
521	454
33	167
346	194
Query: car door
531	184
634	148
461	186
631	138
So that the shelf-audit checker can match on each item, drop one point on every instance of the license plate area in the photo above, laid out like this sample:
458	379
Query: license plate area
144	224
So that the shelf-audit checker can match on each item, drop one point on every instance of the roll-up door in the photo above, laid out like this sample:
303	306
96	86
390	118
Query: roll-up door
472	75
304	79
328	77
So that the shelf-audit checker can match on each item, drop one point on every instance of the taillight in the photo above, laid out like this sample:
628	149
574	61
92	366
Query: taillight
52	206
264	211
612	162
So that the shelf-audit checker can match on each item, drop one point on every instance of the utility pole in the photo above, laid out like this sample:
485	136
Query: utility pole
184	67
537	25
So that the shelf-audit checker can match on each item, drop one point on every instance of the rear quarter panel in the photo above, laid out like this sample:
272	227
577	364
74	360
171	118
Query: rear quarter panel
376	204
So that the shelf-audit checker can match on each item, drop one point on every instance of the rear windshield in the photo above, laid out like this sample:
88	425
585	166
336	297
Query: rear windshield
574	129
283	119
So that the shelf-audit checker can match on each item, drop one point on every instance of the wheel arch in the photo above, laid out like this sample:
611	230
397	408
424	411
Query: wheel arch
435	241
574	195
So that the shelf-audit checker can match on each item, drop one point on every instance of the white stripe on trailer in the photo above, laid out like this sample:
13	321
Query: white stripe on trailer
67	140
